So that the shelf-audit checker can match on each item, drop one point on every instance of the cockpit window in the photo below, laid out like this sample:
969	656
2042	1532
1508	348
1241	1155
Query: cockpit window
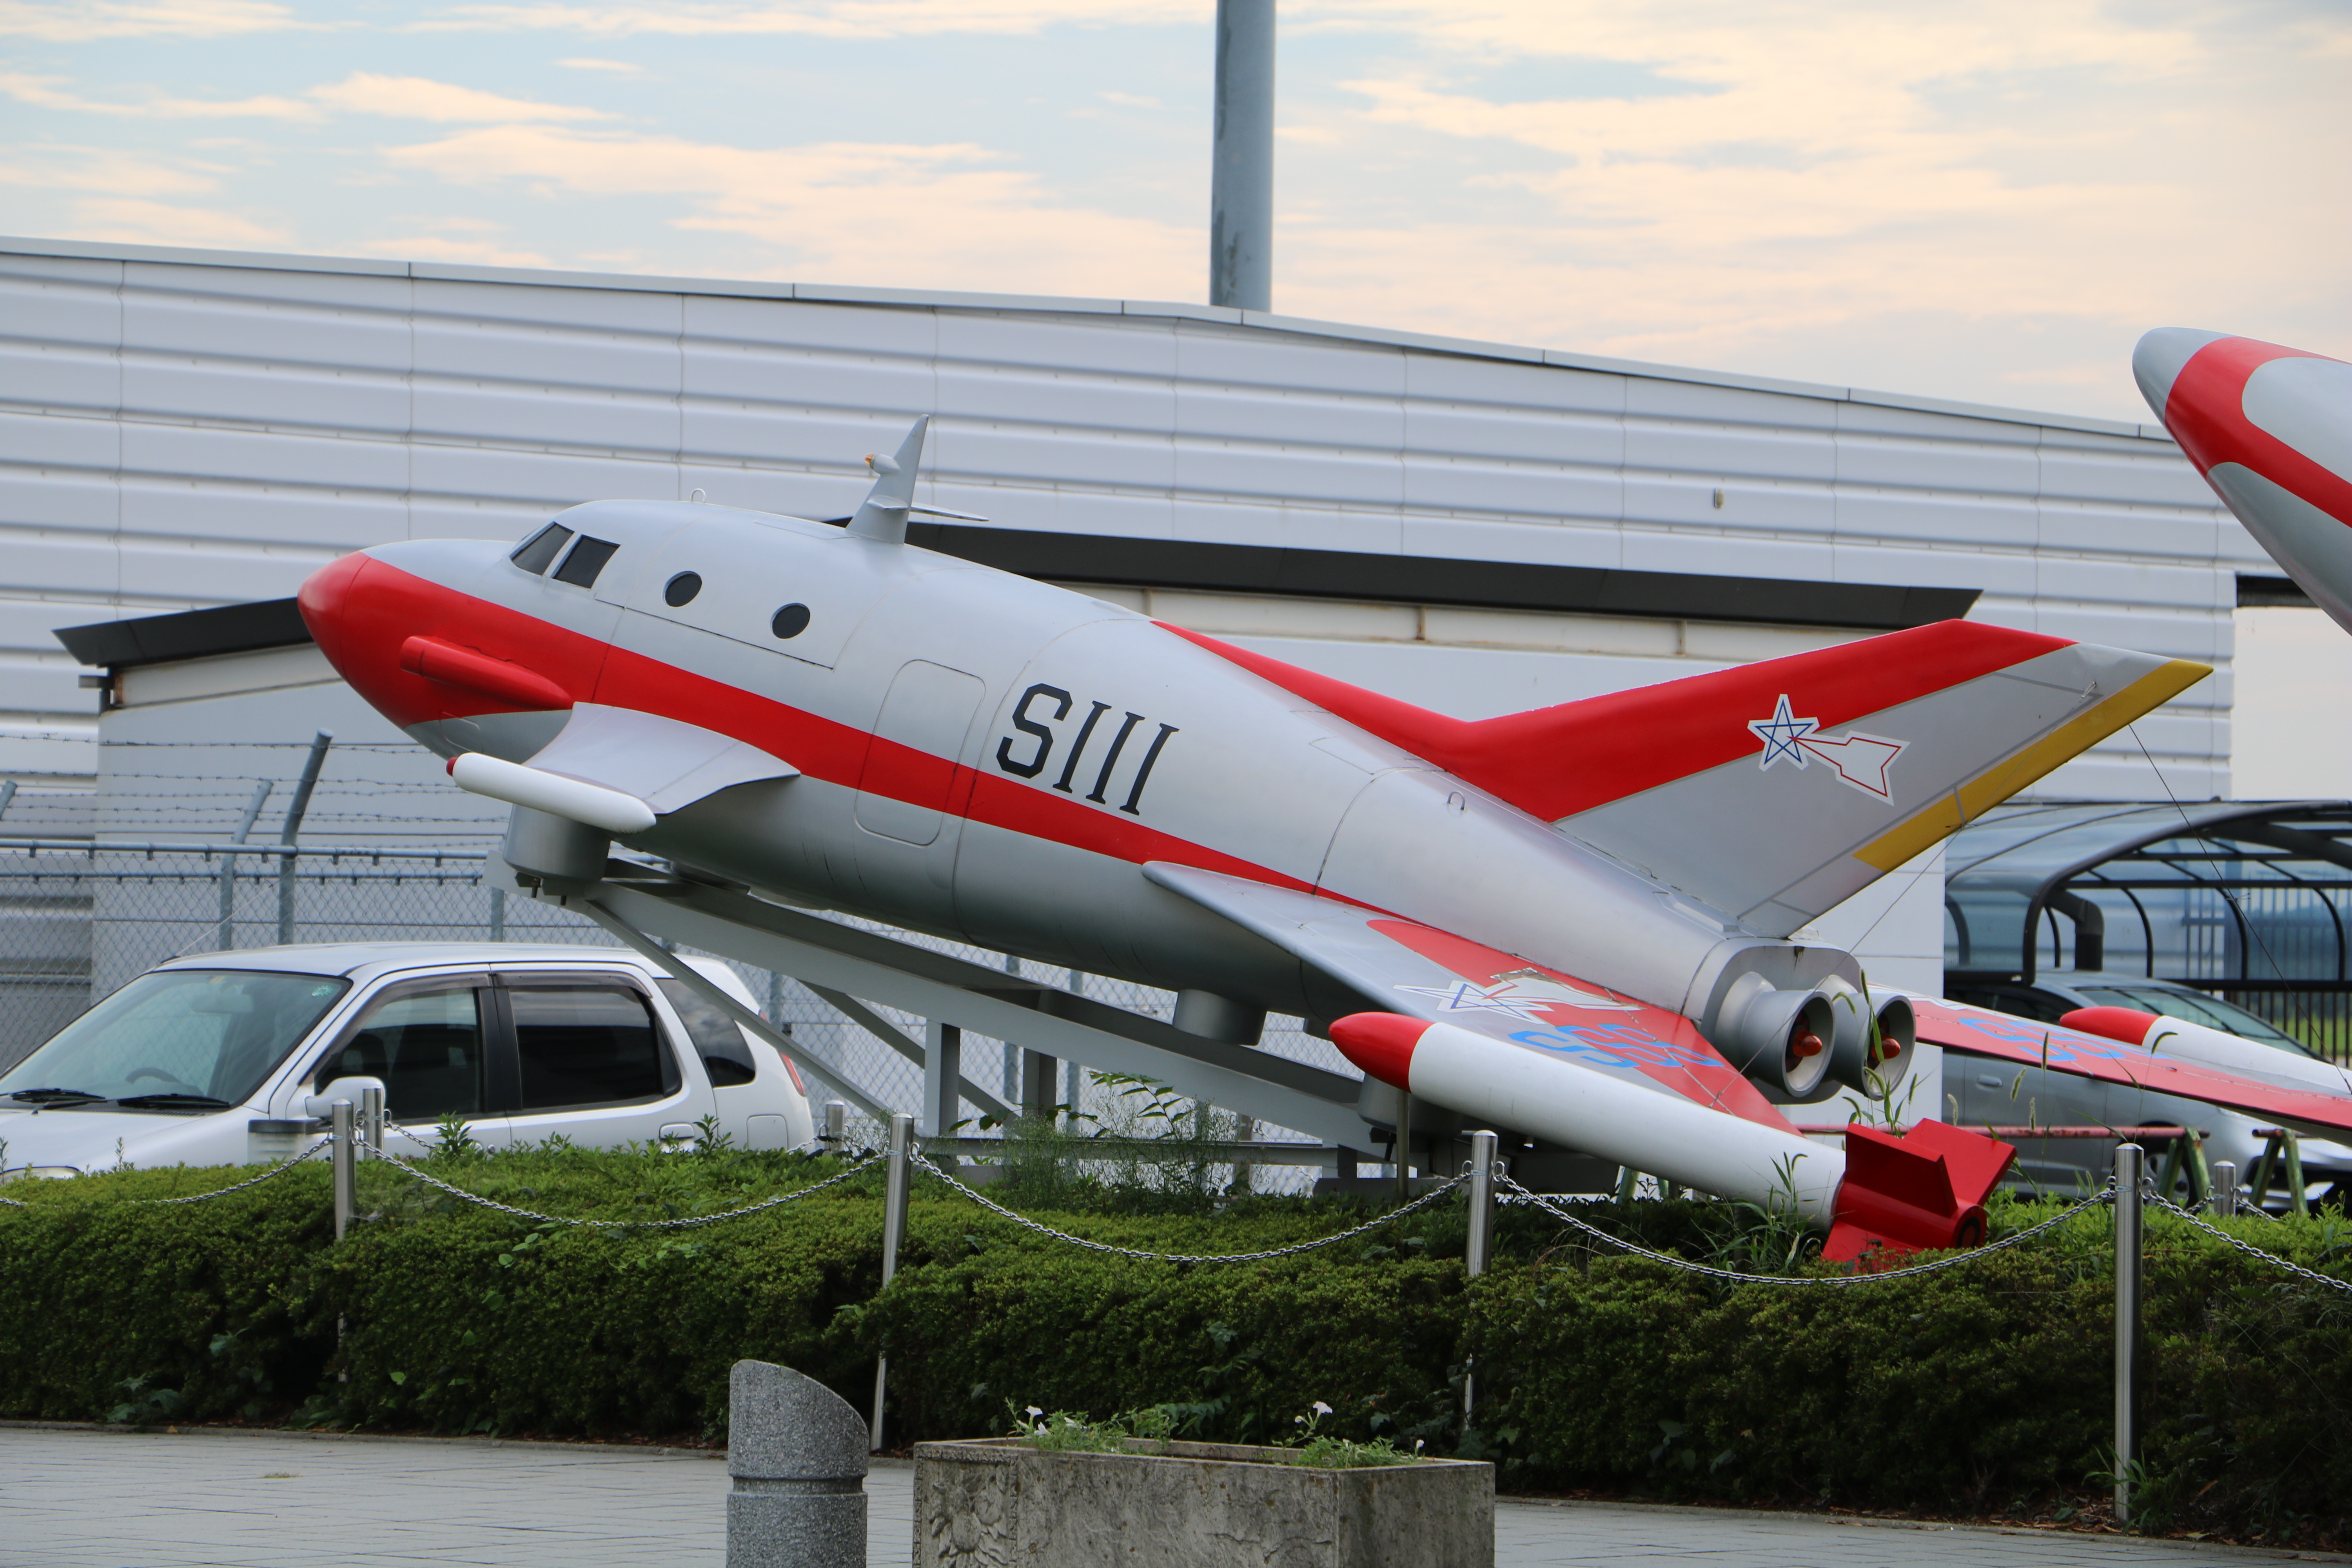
534	555
587	558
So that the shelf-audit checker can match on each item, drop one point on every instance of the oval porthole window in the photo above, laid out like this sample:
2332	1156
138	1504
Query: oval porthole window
791	621
681	589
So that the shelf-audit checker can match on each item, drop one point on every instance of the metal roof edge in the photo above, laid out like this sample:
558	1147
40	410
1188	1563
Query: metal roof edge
1066	305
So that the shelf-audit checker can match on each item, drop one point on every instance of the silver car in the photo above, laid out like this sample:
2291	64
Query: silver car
220	1058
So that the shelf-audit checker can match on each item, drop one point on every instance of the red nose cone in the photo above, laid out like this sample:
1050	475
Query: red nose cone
1381	1044
2112	1023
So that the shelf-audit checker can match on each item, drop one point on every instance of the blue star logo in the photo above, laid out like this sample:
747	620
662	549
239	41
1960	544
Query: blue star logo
1781	734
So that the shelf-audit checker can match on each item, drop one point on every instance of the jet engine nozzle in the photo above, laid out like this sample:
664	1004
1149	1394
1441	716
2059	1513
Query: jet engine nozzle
1780	1038
1871	1060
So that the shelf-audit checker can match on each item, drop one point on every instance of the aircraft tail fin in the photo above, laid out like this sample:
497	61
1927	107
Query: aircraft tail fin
1778	789
883	513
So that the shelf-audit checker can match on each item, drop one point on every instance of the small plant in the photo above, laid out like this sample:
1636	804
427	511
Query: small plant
454	1143
142	1407
1320	1450
1064	1433
710	1139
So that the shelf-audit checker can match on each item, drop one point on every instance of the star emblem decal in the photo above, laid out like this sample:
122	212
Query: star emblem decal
1514	999
1860	761
1781	734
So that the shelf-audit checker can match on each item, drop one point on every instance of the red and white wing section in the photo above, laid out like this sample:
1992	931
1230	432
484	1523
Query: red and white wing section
1977	1031
2271	429
1365	958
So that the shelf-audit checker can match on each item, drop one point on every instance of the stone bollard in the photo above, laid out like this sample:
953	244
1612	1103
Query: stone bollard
797	1451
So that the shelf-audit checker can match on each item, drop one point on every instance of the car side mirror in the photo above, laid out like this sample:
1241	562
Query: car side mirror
316	1107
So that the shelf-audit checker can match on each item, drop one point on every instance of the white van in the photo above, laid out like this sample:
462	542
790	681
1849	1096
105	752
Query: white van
214	1060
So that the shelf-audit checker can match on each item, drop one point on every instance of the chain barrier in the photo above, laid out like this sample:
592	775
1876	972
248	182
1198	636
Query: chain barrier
1046	1230
688	1223
2248	1248
277	1170
2104	1196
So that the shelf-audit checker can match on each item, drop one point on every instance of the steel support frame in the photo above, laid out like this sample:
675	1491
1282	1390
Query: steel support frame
830	957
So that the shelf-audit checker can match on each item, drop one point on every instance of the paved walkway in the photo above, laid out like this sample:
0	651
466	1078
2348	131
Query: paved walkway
82	1498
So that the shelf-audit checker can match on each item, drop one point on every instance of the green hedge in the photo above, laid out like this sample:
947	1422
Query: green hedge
1972	1390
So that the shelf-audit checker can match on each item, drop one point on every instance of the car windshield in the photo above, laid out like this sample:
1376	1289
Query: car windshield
2209	1011
214	1034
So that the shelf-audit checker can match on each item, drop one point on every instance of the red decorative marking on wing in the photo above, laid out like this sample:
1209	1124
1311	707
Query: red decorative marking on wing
1556	762
2206	412
1666	1048
1983	1033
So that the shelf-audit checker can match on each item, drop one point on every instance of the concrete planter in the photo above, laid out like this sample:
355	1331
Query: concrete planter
1201	1505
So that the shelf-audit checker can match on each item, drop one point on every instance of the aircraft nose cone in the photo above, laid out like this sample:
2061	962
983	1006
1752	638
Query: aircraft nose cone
2157	361
345	620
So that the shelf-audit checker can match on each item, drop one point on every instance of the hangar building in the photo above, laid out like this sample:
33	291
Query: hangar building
1475	526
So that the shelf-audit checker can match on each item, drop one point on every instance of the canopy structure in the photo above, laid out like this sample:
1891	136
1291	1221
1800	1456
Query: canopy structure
2249	899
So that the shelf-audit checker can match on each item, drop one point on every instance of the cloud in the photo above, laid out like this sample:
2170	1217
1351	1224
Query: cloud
887	214
415	97
400	98
436	247
619	68
45	92
130	222
98	169
821	18
79	21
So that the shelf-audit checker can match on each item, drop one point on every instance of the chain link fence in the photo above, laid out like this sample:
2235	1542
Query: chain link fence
77	921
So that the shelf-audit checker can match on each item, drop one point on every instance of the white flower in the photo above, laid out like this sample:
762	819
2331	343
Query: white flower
1321	1409
1032	1410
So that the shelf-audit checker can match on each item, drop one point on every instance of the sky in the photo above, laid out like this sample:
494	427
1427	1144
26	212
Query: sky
1988	202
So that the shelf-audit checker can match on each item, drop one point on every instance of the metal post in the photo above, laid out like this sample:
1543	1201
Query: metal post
498	914
1476	1255
894	1226
2225	1188
942	1079
836	1121
346	1165
2129	1230
8	794
372	1118
1241	169
295	811
1404	1150
227	937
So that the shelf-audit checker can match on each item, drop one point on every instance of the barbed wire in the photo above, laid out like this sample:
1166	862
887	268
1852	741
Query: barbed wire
2104	1196
2248	1248
1046	1230
686	1223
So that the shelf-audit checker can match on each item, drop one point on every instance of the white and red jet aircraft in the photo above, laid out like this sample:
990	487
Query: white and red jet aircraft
1573	923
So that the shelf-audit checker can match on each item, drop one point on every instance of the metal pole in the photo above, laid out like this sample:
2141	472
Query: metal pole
2225	1188
498	914
346	1165
836	1121
8	794
2128	1223
295	812
372	1118
1241	165
227	934
894	1226
1480	1249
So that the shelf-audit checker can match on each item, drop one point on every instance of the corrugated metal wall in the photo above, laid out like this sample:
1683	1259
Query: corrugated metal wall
180	429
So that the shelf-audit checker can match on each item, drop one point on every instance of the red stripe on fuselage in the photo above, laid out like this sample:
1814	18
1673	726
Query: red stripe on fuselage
363	615
2206	412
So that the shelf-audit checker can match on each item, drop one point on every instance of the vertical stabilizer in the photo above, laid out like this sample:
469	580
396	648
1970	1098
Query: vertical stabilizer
883	513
